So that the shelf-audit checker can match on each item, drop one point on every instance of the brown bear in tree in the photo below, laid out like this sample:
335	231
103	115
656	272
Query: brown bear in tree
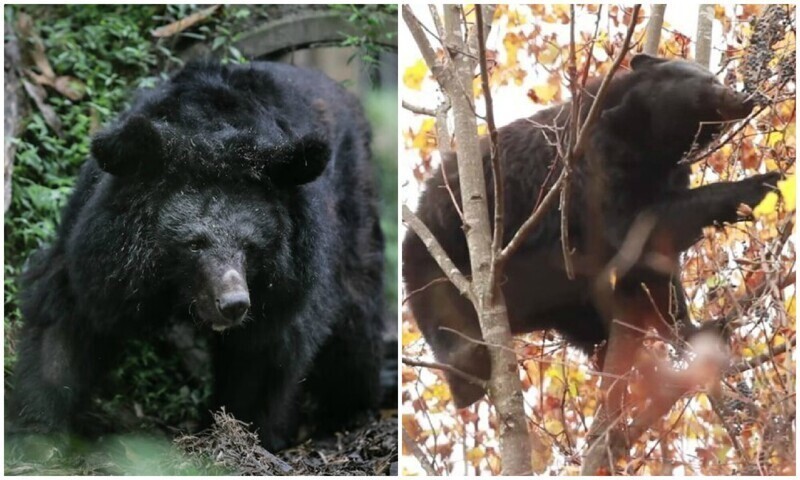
629	182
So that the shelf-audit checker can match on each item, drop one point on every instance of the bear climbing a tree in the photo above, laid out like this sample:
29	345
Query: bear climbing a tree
241	198
631	214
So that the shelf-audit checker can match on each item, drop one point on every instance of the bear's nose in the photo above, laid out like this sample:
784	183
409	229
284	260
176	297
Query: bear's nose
233	305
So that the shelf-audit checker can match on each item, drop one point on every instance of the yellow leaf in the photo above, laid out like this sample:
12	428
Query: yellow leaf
475	455
549	54
410	335
767	206
439	391
554	426
415	74
424	138
547	92
555	372
788	189
773	138
512	42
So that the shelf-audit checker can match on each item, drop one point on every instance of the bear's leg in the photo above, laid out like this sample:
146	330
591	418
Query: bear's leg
58	368
683	218
344	381
448	322
256	391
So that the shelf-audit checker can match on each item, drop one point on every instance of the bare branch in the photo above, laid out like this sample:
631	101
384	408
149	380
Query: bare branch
533	221
442	130
437	20
419	455
419	110
577	151
497	168
594	112
425	48
755	362
447	368
437	252
572	71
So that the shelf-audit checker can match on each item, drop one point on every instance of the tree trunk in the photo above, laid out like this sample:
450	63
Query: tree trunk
653	34
505	388
13	112
702	51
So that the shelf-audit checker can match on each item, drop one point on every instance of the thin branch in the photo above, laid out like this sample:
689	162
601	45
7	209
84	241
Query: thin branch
437	20
576	152
536	217
428	53
435	248
497	168
597	105
755	362
443	167
419	110
419	454
421	289
442	130
572	135
447	368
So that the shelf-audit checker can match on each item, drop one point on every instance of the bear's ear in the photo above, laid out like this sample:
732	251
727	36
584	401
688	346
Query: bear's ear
644	60
302	162
129	147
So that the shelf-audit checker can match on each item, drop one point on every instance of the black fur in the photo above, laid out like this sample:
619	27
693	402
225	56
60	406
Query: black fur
228	189
630	171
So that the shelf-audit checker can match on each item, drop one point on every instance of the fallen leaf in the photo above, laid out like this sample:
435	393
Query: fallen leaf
180	25
70	87
38	94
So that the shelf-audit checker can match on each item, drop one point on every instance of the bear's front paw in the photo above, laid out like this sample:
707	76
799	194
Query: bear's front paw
756	188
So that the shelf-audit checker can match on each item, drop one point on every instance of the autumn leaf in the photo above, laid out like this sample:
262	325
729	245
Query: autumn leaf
475	456
548	54
439	391
415	74
788	189
424	139
769	206
512	42
544	93
410	335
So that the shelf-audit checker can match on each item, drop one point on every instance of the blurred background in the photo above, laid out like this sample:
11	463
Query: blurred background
69	69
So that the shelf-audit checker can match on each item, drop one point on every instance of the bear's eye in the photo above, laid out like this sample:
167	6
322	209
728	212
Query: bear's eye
197	244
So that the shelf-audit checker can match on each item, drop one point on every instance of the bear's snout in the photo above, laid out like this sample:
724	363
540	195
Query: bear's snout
228	300
733	105
233	305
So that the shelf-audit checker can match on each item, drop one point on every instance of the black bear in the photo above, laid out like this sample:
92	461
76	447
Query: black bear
630	176
241	198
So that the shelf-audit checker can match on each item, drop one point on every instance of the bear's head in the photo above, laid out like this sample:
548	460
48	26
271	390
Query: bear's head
672	106
219	241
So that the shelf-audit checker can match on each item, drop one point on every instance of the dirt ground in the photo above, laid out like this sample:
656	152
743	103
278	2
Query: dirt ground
227	448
